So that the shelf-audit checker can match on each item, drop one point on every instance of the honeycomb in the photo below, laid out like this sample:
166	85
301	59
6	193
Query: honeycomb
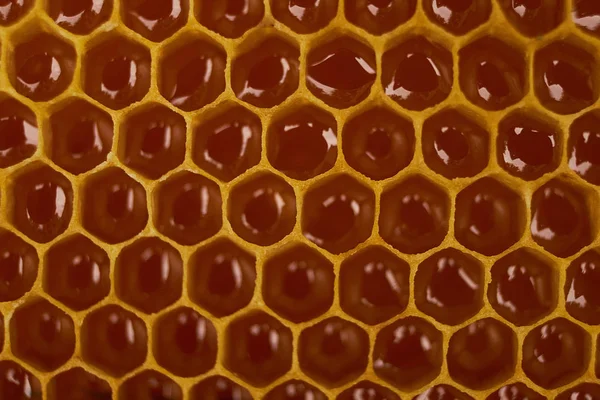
299	199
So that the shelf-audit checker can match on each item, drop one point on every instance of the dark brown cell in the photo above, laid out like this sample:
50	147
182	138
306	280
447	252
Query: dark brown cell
408	353
333	352
584	147
449	286
228	143
454	145
11	11
458	16
78	384
267	74
230	18
113	206
295	389
155	20
528	146
188	208
414	215
114	340
42	202
258	348
81	136
555	353
443	392
374	285
116	72
192	74
221	277
417	74
338	213
583	391
523	287
366	390
17	383
303	143
533	17
150	385
79	17
379	16
298	283
18	266
76	272
219	388
586	15
582	296
560	218
515	391
18	132
304	16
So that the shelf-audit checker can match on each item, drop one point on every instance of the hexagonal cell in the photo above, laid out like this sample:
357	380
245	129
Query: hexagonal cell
185	342
42	335
417	73
581	288
192	74
584	147
295	389
442	392
582	391
516	390
302	16
454	145
367	390
229	143
267	74
116	72
77	383
458	16
414	215
262	209
378	143
564	78
489	217
42	202
556	353
81	136
79	17
528	146
114	340
221	277
219	387
262	351
14	10
533	18
76	272
341	72
149	274
585	14
230	18
113	206
303	143
156	21
374	285
379	16
523	287
408	353
560	218
18	383
150	385
298	283
449	286
18	132
18	266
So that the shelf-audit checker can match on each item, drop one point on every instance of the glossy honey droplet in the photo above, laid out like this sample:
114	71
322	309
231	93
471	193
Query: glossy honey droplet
586	15
219	388
155	20
581	294
442	392
515	391
533	17
295	390
18	132
79	16
150	385
77	382
304	16
230	18
368	391
379	16
13	10
458	16
582	391
18	383
18	266
584	147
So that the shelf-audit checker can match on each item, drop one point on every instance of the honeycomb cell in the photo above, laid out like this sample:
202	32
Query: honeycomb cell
560	218
149	274
443	392
229	143
378	143
379	16
583	391
262	350
555	353
13	10
338	213
449	286
523	287
303	143
533	17
454	145
417	74
489	217
366	390
298	283
76	272
219	388
79	17
185	342
584	147
18	132
586	15
458	16
581	288
114	340
527	146
564	78
333	352
18	266
78	384
81	136
188	208
192	74
304	16
42	203
515	391
267	74
408	353
414	215
262	209
17	383
295	390
230	18
116	72
341	72
374	285
150	385
114	206
155	20
222	277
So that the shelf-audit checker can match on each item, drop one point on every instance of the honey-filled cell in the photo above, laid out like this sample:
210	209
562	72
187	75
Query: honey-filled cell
230	18
458	16
12	11
80	17
19	135
295	389
150	385
304	16
379	16
155	20
18	383
19	263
